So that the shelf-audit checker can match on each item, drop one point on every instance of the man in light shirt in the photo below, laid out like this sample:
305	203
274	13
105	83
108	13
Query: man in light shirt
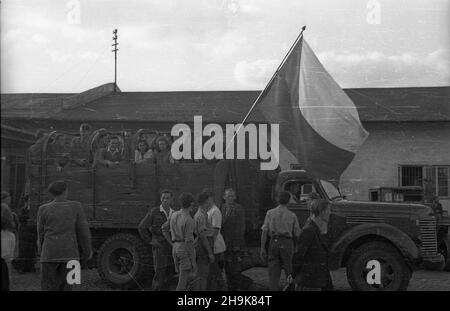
215	280
179	232
8	245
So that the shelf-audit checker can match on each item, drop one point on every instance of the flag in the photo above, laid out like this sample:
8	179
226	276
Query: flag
319	125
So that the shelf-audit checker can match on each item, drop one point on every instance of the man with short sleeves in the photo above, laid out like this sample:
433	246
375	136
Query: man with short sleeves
179	232
215	279
204	242
282	226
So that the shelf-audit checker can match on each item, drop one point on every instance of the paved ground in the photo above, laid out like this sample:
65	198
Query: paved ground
421	281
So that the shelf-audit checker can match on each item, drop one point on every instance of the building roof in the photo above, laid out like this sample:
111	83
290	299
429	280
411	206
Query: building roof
416	104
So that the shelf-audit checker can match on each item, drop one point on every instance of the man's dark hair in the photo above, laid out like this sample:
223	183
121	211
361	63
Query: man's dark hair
186	200
208	192
202	198
57	188
143	141
166	191
318	206
284	197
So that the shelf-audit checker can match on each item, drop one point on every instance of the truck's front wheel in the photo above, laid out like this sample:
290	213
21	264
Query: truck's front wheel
124	261
393	273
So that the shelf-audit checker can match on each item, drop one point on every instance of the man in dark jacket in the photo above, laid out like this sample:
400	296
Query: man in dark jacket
150	231
310	262
233	231
62	230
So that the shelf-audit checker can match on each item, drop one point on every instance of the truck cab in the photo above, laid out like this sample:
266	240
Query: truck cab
400	236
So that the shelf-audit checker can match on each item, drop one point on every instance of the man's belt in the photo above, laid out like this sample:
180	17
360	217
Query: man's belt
177	241
280	236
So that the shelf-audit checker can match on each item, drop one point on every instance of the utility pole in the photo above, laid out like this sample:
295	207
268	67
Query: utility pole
115	58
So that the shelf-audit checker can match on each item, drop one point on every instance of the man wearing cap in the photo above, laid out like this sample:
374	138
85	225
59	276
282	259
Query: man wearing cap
62	230
282	227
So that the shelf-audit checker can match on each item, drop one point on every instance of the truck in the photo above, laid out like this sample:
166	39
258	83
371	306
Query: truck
400	237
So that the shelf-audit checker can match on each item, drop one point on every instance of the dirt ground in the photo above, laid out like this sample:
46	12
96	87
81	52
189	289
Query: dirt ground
90	281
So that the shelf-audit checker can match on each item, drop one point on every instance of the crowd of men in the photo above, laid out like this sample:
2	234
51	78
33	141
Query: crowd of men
198	248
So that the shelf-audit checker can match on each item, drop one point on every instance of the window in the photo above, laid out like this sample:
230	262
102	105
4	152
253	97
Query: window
299	191
434	179
411	176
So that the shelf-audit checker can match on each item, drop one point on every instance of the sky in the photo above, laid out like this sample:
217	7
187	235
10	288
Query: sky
64	46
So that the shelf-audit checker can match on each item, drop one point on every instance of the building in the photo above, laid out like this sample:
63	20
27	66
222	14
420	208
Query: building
408	144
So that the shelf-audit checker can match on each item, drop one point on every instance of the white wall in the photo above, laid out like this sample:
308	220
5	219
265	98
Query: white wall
390	145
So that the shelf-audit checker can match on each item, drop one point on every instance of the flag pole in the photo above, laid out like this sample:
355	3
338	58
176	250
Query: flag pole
267	85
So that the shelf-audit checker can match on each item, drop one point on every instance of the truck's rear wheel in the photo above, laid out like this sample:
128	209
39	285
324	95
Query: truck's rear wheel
124	261
394	273
444	249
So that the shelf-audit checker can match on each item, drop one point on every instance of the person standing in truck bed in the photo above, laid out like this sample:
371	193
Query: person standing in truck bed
80	148
282	226
112	155
150	231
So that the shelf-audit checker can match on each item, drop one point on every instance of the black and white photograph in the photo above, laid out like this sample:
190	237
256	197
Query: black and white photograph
230	150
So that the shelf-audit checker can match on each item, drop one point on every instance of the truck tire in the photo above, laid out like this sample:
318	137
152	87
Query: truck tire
395	274
444	249
124	261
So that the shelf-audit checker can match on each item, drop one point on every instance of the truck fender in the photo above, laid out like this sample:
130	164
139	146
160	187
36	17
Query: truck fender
398	238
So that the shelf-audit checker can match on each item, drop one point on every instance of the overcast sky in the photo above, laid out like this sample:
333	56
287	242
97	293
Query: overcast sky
175	45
